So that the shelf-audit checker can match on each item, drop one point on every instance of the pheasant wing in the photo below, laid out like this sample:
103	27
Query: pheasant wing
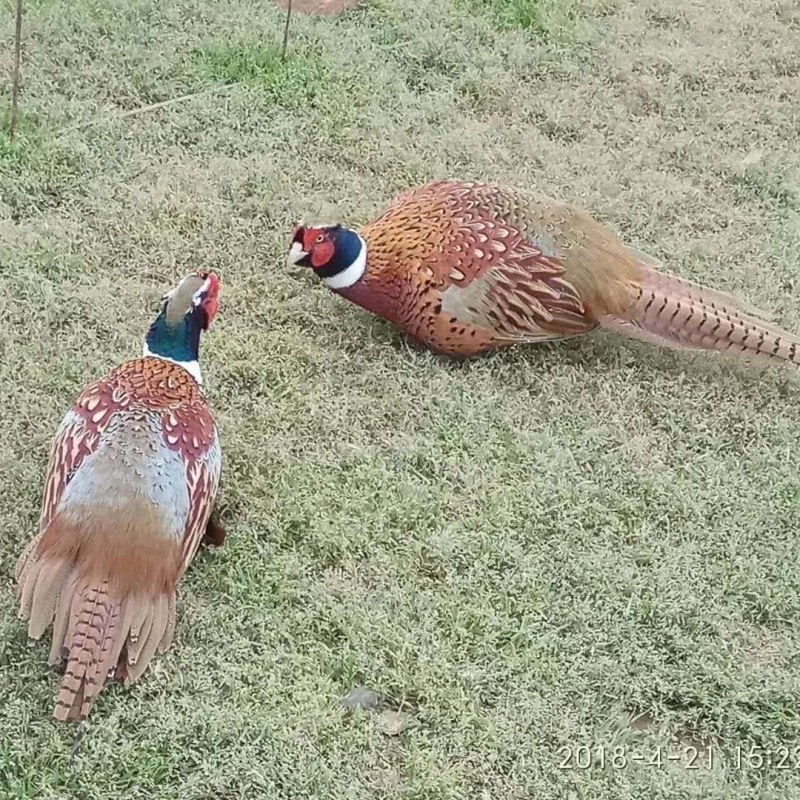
497	274
76	440
523	296
190	429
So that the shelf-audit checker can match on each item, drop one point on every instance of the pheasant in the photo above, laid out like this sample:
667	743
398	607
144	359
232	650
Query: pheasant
469	267
131	482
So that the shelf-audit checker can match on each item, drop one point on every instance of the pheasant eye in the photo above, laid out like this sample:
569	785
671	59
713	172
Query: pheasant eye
320	239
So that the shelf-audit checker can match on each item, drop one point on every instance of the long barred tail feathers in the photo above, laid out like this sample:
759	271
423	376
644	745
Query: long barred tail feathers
682	314
98	635
94	644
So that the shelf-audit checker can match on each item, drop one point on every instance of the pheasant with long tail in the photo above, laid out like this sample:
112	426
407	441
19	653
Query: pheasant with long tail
132	478
468	267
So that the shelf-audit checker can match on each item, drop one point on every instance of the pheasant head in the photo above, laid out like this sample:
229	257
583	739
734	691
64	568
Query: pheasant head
337	254
186	311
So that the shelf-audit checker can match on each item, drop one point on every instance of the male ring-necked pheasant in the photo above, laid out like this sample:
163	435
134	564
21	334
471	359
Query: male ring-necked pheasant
130	486
469	267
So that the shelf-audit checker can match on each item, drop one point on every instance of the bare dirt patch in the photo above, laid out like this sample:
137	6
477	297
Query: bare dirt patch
322	8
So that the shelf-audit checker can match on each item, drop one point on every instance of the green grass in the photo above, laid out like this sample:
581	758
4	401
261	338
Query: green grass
543	17
522	552
291	83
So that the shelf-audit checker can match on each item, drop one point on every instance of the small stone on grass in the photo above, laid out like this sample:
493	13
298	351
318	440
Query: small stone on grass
393	723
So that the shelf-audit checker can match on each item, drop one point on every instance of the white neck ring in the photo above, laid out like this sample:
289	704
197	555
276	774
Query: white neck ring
192	367
353	273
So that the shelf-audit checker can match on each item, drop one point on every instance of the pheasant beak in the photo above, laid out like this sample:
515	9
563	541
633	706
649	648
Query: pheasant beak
297	255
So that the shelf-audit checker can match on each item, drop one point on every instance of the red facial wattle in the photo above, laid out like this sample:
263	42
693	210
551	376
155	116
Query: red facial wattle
322	253
211	303
317	243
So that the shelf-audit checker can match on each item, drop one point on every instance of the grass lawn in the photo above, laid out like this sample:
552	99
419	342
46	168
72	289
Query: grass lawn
590	544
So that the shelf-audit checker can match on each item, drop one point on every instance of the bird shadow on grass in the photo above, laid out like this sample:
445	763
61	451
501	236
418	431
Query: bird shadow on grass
601	351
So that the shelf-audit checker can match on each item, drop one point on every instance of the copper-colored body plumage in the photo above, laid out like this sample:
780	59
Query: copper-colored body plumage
113	543
465	268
